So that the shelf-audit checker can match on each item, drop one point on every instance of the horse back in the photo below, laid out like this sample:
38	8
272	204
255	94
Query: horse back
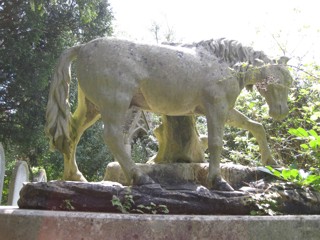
161	79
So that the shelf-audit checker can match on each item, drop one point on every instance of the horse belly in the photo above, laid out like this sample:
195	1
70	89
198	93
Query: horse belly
169	99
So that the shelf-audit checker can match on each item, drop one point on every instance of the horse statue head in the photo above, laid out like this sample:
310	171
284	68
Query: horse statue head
274	83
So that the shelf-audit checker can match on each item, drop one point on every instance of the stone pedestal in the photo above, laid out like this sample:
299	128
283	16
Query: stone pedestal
179	173
180	188
17	224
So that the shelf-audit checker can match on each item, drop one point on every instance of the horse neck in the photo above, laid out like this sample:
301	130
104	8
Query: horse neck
252	76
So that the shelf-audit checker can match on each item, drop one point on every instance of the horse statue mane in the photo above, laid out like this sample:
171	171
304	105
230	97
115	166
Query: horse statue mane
231	52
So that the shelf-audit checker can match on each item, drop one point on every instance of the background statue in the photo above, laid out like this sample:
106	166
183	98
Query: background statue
114	75
179	141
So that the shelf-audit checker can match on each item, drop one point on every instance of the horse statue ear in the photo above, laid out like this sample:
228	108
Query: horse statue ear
282	60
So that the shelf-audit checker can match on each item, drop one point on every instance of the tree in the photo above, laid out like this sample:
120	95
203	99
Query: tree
32	36
160	35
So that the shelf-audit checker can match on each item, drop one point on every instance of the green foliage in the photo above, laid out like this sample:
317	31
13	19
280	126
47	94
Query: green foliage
201	123
127	206
310	146
144	147
67	205
138	151
239	145
267	204
92	153
32	36
124	206
288	147
297	177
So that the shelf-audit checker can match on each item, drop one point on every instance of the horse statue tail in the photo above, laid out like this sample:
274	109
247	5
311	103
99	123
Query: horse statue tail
58	114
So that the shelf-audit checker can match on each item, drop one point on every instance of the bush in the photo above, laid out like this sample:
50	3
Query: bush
293	141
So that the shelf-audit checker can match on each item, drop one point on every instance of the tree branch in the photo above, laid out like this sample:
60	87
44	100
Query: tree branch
304	71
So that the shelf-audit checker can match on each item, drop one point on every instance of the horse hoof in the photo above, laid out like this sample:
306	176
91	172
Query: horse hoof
78	177
142	180
82	179
221	185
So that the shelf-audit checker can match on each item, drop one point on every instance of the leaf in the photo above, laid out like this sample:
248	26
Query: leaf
290	174
265	169
314	144
139	211
304	146
301	132
311	179
314	133
274	172
277	173
116	201
163	209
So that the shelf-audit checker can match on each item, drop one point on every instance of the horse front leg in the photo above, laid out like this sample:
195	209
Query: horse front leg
216	117
237	119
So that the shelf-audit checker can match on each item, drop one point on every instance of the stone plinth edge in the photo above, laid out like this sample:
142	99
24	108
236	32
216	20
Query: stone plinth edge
17	224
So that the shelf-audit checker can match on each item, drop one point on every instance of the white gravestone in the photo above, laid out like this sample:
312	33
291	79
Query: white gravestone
19	176
2	170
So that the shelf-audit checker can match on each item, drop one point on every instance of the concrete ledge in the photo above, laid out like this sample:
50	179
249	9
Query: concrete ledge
17	224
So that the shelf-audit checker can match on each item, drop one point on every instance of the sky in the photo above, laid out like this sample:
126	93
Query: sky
278	27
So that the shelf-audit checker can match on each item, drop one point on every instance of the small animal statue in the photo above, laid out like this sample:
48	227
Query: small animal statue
114	75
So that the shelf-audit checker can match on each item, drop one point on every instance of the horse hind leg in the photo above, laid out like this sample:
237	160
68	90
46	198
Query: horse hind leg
85	116
114	139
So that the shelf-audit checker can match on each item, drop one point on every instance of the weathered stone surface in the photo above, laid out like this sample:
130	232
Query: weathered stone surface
17	224
295	200
183	198
187	199
170	174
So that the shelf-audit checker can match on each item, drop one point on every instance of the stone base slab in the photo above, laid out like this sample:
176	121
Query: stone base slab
17	224
173	173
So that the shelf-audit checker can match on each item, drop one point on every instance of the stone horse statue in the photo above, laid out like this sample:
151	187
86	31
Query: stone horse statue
114	75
